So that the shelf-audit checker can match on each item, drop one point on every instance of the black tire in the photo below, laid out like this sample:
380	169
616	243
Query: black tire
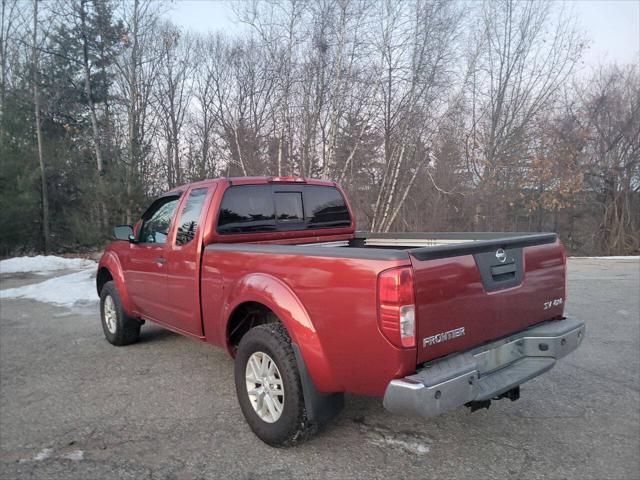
292	426
127	329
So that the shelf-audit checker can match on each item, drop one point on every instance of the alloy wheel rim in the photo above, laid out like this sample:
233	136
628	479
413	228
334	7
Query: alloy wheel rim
264	387
110	315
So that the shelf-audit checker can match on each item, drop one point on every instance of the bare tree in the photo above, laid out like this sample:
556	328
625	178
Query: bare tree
244	86
611	113
525	57
172	95
137	67
277	25
203	116
9	23
417	46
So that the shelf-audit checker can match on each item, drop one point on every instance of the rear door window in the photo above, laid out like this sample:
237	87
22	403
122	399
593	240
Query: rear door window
247	209
190	218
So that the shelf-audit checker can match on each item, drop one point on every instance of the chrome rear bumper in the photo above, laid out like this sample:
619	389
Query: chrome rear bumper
485	372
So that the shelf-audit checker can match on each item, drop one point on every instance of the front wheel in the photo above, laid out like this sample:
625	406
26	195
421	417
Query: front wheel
118	327
269	388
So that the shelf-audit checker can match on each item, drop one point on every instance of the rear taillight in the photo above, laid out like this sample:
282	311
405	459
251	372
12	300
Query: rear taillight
396	308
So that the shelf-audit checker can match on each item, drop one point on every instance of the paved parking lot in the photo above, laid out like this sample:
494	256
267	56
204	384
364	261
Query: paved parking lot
73	406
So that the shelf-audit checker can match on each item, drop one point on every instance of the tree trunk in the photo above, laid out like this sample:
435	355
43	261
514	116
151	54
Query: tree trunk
3	62
132	115
103	219
36	102
240	160
87	88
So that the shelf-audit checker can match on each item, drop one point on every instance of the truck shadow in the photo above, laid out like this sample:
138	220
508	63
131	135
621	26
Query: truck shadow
154	333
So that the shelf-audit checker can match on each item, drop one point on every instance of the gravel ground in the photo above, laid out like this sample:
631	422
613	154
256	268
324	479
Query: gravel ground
73	406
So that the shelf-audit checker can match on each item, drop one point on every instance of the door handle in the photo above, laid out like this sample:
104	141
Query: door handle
161	260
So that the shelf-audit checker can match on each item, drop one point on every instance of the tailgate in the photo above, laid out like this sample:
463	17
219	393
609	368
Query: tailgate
471	293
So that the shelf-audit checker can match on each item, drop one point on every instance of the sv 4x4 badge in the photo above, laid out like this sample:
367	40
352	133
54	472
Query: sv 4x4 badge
552	303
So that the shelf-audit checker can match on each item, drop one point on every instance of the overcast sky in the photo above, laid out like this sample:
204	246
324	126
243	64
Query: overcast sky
613	26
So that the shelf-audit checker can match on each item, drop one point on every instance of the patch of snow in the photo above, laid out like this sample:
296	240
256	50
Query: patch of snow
66	290
43	454
410	442
43	263
76	455
408	446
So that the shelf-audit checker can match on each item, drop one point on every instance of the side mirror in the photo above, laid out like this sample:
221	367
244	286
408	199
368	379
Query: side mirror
124	232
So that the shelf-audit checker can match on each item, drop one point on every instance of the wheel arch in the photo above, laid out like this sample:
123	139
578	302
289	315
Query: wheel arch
103	276
243	318
109	269
271	294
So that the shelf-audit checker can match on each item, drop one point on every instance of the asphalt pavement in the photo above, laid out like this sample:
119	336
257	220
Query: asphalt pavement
73	406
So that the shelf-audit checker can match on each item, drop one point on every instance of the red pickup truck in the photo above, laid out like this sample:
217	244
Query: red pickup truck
273	270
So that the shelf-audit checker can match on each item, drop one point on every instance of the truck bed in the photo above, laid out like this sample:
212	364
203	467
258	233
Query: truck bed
422	246
431	245
459	283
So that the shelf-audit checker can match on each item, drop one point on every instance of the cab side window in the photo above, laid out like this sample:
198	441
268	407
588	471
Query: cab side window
188	223
325	207
268	208
157	219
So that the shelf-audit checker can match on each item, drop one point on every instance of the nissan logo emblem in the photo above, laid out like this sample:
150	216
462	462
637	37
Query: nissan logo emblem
501	255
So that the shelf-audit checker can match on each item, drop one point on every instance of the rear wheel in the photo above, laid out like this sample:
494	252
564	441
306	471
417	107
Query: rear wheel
118	327
264	387
269	388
